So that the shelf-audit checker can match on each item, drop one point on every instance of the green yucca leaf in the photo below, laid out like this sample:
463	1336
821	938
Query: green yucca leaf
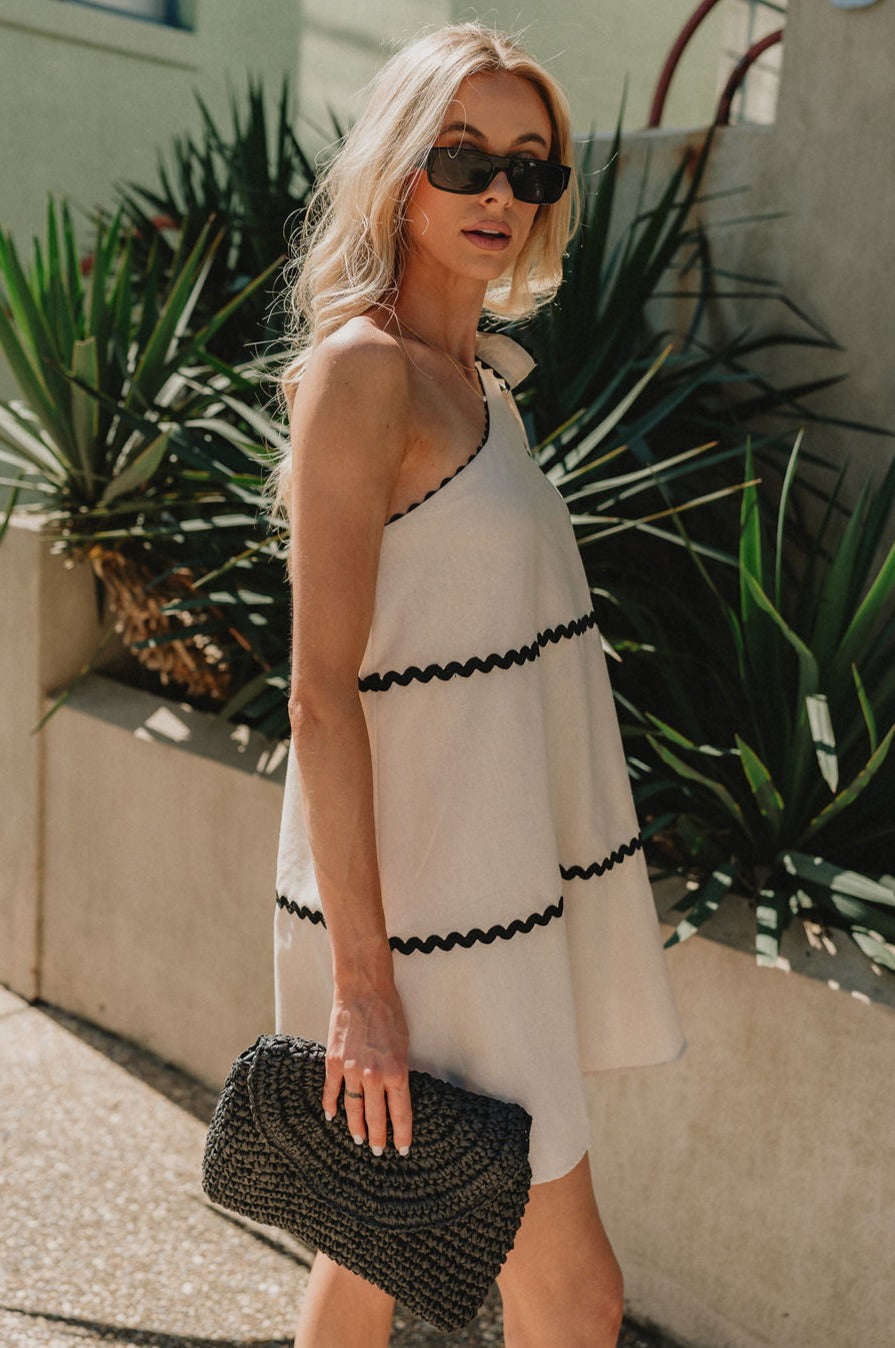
683	742
820	723
772	915
20	429
119	321
26	313
74	281
706	901
878	920
869	612
616	526
139	470
873	947
808	671
750	541
245	694
9	508
836	600
850	794
636	478
205	334
36	380
84	406
866	709
106	256
761	784
268	429
815	870
716	788
609	422
62	318
601	213
662	475
172	320
785	494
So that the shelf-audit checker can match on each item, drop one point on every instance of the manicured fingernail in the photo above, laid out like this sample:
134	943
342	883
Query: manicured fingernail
377	1151
329	1117
358	1139
403	1151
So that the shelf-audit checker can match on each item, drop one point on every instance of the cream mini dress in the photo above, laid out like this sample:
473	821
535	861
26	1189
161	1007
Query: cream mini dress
524	935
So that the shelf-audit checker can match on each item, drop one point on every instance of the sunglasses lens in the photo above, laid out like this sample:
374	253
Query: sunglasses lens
469	171
458	170
535	180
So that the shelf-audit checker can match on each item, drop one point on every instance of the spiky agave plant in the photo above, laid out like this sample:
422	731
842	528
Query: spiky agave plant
766	752
254	179
121	435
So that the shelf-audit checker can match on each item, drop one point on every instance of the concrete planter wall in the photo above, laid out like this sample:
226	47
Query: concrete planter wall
137	836
158	894
748	1189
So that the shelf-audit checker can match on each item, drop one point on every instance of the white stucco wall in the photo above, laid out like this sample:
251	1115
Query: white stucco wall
590	48
87	97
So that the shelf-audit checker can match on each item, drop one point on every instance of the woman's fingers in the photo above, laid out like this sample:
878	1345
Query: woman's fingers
368	1105
355	1102
374	1112
331	1087
400	1113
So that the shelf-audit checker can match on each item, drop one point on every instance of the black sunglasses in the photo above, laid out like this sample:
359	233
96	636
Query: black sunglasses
454	168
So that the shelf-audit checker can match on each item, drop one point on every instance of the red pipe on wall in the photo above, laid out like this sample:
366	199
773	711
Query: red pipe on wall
738	74
689	28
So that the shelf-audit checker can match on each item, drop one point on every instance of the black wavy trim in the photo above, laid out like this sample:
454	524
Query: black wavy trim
399	515
414	944
476	664
601	867
299	910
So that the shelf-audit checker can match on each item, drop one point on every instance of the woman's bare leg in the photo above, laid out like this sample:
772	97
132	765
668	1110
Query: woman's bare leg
342	1310
561	1285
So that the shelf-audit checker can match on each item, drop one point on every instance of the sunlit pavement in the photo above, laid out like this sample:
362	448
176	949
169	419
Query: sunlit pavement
105	1234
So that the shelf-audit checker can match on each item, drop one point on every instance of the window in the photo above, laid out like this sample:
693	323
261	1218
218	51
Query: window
748	21
172	13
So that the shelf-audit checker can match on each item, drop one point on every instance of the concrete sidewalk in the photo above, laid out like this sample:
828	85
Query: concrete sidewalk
105	1234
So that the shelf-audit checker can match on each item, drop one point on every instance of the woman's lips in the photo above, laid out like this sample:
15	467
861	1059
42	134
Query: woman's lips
493	243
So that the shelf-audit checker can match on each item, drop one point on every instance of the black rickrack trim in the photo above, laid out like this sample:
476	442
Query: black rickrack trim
601	867
425	946
299	910
399	515
476	664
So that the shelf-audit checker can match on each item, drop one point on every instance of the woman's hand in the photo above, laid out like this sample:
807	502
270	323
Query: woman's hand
367	1051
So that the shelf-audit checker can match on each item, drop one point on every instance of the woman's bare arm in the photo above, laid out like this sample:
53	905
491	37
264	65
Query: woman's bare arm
349	429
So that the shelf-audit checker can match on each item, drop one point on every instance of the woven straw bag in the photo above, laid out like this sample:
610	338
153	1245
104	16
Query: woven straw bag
432	1228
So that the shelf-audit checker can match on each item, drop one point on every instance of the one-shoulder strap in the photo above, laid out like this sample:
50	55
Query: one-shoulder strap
505	356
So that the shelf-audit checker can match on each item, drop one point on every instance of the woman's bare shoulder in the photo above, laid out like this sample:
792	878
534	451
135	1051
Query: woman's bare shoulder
361	362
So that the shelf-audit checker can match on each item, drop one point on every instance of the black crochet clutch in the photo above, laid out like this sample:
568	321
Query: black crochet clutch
432	1228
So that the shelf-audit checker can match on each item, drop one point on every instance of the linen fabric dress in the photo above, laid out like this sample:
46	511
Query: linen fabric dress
525	942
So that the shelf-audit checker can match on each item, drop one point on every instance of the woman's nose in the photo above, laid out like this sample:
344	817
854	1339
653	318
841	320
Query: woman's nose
499	188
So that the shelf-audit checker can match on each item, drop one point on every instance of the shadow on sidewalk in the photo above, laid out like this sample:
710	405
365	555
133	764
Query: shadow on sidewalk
142	1338
182	1090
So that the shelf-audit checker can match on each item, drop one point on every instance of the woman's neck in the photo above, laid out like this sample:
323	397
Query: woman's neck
444	316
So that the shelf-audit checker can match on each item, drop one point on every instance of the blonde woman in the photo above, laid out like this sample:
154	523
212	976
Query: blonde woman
460	881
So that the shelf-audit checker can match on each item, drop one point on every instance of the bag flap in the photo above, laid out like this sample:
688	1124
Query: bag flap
468	1150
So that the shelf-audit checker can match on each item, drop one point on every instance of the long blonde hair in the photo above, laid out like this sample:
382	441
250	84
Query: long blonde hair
349	256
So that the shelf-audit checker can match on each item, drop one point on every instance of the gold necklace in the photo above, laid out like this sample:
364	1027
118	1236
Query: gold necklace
464	370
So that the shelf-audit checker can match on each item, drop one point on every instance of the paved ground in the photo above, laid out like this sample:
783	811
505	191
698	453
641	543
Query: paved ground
105	1234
